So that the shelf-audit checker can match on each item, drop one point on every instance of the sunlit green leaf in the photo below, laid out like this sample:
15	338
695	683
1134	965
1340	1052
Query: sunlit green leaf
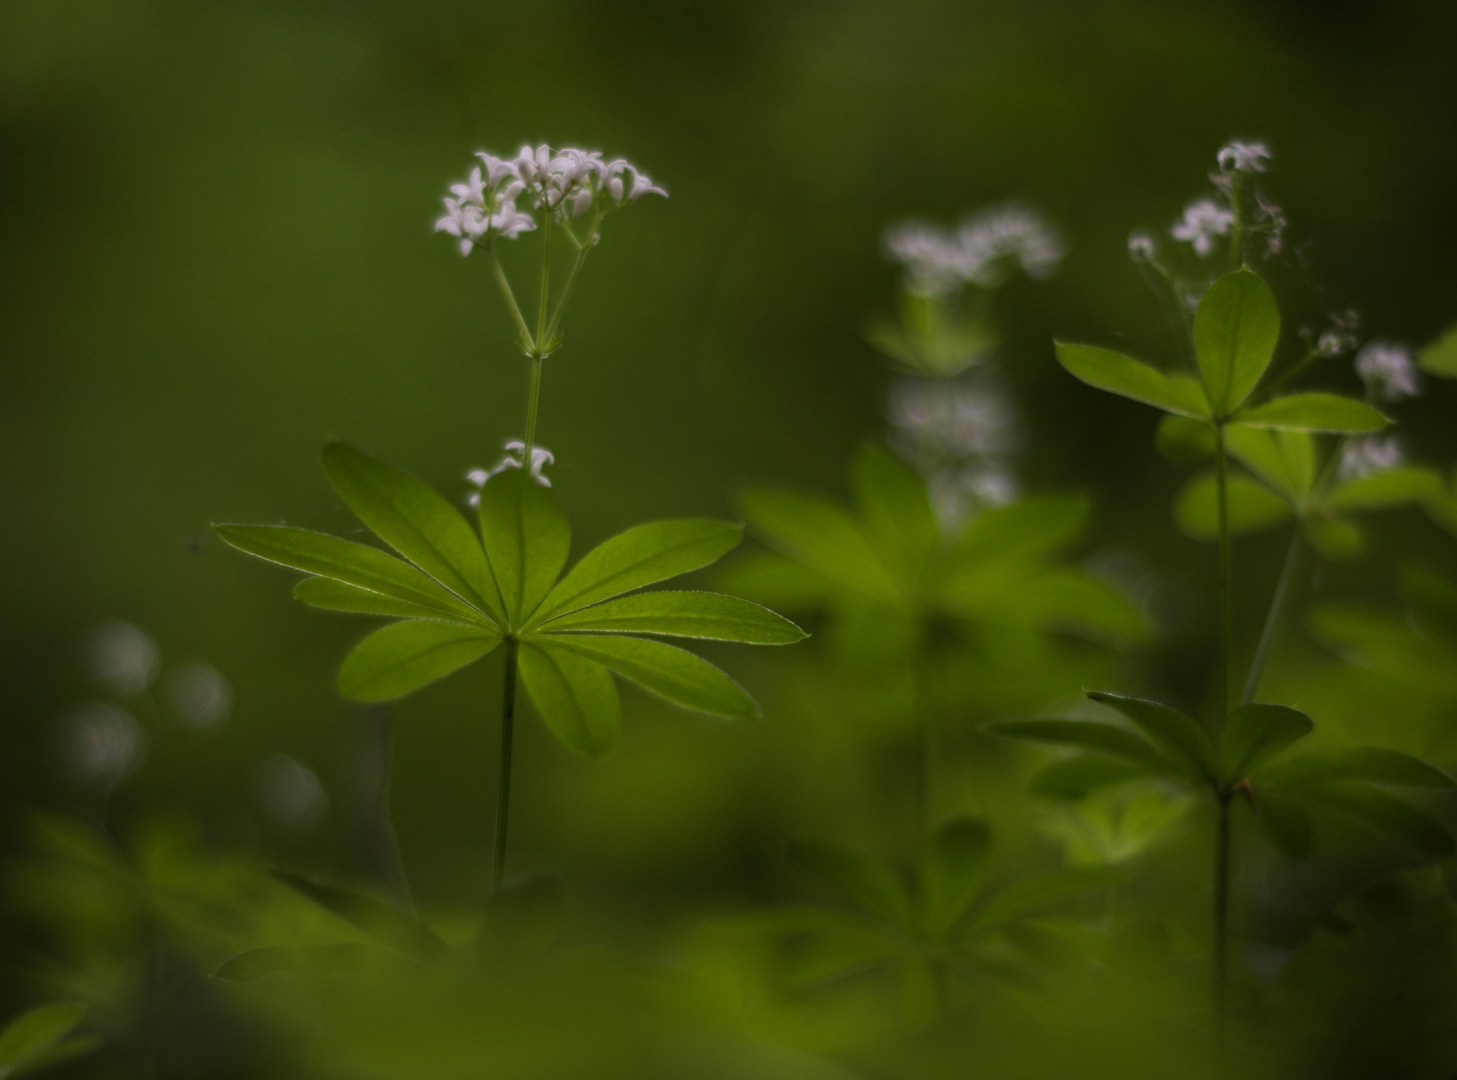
1440	357
1334	538
415	520
1078	776
253	964
814	531
1385	813
31	1034
1184	439
1283	459
1236	329
1130	378
574	696
1182	739
639	556
1250	505
1314	412
895	512
404	656
332	595
381	921
869	883
952	868
666	670
683	614
1372	764
527	538
1087	735
1389	487
343	560
1254	734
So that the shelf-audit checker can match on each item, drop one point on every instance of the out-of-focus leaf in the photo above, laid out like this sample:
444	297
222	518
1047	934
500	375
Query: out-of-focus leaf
523	919
379	920
414	519
895	512
26	1038
1254	734
779	581
1283	459
332	595
869	883
254	964
1087	735
641	555
1030	894
400	658
1385	813
1431	598
1130	378
1078	776
666	670
683	614
1389	487
1442	508
1236	329
1440	357
1372	764
1182	738
1250	505
953	865
527	538
343	560
1329	413
1024	530
1060	599
1384	643
1285	822
822	536
575	696
1183	439
1334	538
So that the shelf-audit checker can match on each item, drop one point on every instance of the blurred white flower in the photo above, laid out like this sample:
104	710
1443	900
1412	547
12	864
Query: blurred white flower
1373	454
123	658
1243	157
200	695
936	420
1272	224
290	793
1390	369
938	262
1141	246
931	256
103	744
515	451
1203	221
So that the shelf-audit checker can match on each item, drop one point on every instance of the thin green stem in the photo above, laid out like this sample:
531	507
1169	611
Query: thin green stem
527	342
1221	919
1295	369
533	399
545	296
555	322
503	787
1284	587
1226	616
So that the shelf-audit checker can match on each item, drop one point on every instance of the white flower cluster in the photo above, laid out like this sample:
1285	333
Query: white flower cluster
959	435
1141	246
1362	457
1389	369
567	182
515	453
980	252
1203	220
1243	157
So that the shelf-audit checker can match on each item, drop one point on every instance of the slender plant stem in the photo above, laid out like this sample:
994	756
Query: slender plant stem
527	341
1226	617
545	296
1221	918
1278	603
503	787
533	399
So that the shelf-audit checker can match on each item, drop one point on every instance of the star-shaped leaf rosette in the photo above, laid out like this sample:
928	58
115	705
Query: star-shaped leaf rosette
457	594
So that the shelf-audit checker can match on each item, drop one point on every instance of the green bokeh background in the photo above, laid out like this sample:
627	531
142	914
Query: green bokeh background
217	253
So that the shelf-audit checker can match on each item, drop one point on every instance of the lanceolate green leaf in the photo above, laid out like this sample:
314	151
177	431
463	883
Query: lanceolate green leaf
404	656
384	922
415	520
1372	764
666	670
30	1035
639	556
1130	378
1250	507
343	560
575	696
1385	812
1236	330
1025	529
823	537
682	614
1254	734
527	538
1087	735
897	515
1283	459
1389	487
871	884
952	869
1329	413
331	595
1177	734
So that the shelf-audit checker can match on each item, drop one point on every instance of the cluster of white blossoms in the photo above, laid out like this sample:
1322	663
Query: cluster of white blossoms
959	435
1373	454
566	183
514	459
980	252
1236	157
1389	369
1204	219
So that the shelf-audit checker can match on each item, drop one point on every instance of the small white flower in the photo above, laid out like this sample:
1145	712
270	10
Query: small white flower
123	658
1243	157
201	696
1203	221
932	257
103	744
290	793
1008	231
1141	246
515	449
1389	368
1373	454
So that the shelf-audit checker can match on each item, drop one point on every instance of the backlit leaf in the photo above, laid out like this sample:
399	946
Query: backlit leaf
822	536
1334	538
1283	459
1250	505
404	656
1314	412
666	670
331	595
574	696
1236	329
1389	487
527	538
1130	378
1184	439
1440	357
896	514
682	614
